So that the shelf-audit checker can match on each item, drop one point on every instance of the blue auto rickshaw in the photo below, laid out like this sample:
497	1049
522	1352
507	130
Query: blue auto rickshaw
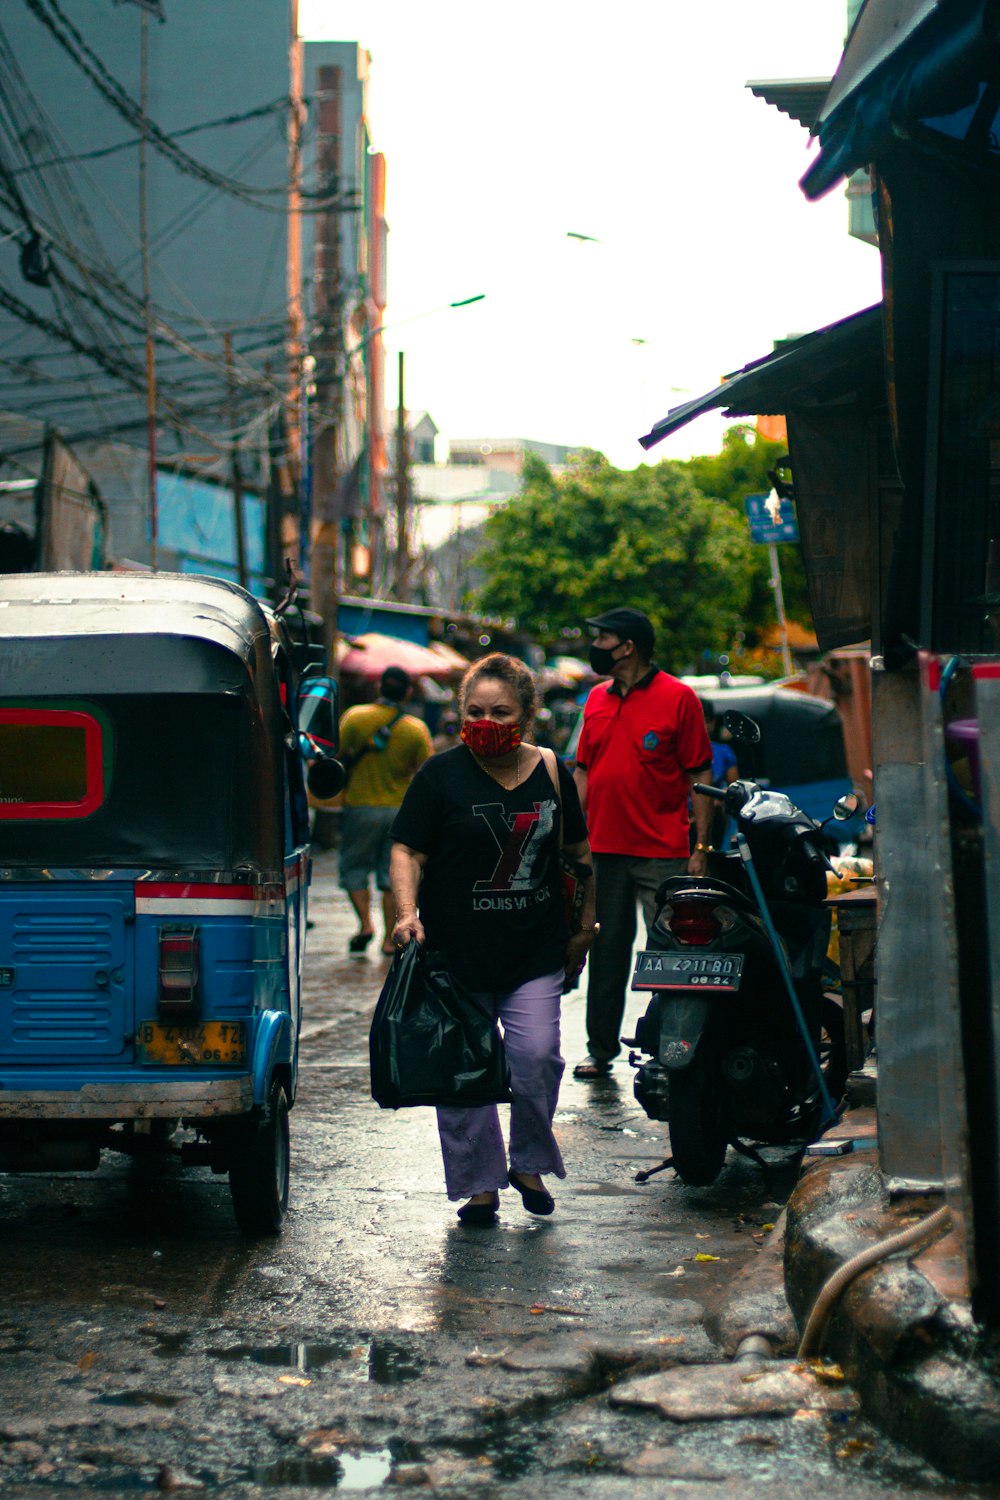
154	869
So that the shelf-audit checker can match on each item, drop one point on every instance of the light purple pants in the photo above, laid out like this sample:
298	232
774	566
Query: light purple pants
471	1139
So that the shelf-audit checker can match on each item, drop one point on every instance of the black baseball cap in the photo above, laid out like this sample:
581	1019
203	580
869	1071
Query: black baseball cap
628	625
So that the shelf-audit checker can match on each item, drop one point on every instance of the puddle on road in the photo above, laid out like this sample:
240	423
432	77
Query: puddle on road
169	1345
391	1364
139	1398
348	1471
381	1361
512	1459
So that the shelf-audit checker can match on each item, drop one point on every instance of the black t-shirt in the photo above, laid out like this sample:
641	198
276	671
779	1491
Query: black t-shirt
490	896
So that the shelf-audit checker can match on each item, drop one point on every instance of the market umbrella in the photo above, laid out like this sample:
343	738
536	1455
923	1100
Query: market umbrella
454	659
572	668
368	656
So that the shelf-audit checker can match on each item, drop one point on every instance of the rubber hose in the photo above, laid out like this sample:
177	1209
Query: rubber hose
815	1329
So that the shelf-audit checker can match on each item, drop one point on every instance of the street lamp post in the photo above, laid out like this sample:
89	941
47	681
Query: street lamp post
402	322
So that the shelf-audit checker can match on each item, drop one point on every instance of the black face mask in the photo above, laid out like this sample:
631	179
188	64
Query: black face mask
602	660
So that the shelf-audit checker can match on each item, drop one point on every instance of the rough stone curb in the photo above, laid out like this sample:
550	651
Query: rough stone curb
757	1303
916	1360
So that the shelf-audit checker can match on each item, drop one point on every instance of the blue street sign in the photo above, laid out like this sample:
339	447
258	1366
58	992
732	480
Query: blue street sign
765	526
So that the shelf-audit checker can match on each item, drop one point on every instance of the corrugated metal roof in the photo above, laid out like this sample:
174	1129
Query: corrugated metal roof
799	98
827	365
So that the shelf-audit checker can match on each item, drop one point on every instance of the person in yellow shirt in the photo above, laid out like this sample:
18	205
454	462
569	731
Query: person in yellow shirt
381	747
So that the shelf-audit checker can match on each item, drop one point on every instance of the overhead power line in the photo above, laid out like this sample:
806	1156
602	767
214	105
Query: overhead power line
93	328
61	28
131	374
72	158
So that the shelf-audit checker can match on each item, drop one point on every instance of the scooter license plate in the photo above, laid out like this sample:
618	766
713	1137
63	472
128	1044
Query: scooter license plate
206	1044
688	971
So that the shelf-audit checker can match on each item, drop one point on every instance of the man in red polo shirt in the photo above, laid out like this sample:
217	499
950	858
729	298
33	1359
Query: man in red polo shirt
642	746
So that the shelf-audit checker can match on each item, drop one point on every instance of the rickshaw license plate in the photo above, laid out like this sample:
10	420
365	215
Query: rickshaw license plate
213	1043
688	971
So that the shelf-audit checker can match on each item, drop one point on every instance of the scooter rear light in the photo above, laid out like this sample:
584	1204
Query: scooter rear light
694	922
178	970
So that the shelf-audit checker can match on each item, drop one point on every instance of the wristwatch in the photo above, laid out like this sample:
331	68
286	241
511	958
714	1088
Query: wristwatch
589	927
704	849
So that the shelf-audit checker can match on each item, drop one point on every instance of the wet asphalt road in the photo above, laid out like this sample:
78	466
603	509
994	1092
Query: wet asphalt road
146	1347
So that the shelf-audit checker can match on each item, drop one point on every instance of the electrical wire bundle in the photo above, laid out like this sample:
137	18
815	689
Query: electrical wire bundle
74	348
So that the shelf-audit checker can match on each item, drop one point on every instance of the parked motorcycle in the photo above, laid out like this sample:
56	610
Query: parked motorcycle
745	1048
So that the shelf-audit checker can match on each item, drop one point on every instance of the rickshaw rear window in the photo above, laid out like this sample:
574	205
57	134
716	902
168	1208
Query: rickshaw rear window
51	763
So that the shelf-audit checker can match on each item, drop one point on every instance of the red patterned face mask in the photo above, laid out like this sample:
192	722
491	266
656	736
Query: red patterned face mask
488	739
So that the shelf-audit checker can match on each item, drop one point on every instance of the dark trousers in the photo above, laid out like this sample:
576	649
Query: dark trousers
621	881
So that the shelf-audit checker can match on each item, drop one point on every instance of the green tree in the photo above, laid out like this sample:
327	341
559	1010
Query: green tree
574	545
741	469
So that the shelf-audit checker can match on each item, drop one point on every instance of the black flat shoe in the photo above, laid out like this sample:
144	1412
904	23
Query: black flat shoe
535	1200
479	1215
359	942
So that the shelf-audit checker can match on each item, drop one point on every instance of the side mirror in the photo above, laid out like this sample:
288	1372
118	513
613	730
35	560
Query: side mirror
741	727
325	779
319	714
845	807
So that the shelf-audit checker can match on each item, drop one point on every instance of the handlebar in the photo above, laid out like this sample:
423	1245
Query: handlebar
813	855
717	792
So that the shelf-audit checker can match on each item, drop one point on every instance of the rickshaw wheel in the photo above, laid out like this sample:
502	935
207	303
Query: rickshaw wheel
259	1169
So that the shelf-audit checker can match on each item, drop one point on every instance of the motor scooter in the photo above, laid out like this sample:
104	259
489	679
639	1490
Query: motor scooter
744	1046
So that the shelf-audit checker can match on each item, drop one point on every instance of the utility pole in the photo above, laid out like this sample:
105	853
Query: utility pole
402	496
296	325
274	468
327	447
237	477
147	301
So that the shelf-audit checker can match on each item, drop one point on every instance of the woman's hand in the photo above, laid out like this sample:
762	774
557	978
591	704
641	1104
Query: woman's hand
405	868
577	950
408	926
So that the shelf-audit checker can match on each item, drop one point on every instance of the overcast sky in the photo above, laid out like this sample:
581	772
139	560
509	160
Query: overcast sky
505	128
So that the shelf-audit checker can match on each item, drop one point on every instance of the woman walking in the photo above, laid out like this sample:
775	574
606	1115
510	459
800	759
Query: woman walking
475	875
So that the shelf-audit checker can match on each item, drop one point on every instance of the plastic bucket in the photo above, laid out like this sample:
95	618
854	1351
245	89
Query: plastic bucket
964	734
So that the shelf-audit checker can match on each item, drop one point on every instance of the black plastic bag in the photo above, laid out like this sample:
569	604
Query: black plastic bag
429	1044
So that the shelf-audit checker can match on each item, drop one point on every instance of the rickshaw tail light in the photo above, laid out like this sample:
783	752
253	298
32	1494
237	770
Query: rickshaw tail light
178	969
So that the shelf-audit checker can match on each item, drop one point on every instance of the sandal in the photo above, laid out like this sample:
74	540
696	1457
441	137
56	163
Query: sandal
359	942
592	1067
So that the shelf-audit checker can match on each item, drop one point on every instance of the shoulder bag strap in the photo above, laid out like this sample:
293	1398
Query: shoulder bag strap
349	762
387	729
552	766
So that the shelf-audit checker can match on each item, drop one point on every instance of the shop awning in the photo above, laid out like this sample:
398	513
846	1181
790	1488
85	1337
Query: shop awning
880	30
829	365
922	70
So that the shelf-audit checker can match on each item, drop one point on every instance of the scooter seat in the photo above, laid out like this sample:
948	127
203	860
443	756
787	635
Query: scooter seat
700	885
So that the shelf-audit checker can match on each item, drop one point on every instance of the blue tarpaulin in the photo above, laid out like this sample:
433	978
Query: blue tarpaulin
197	523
